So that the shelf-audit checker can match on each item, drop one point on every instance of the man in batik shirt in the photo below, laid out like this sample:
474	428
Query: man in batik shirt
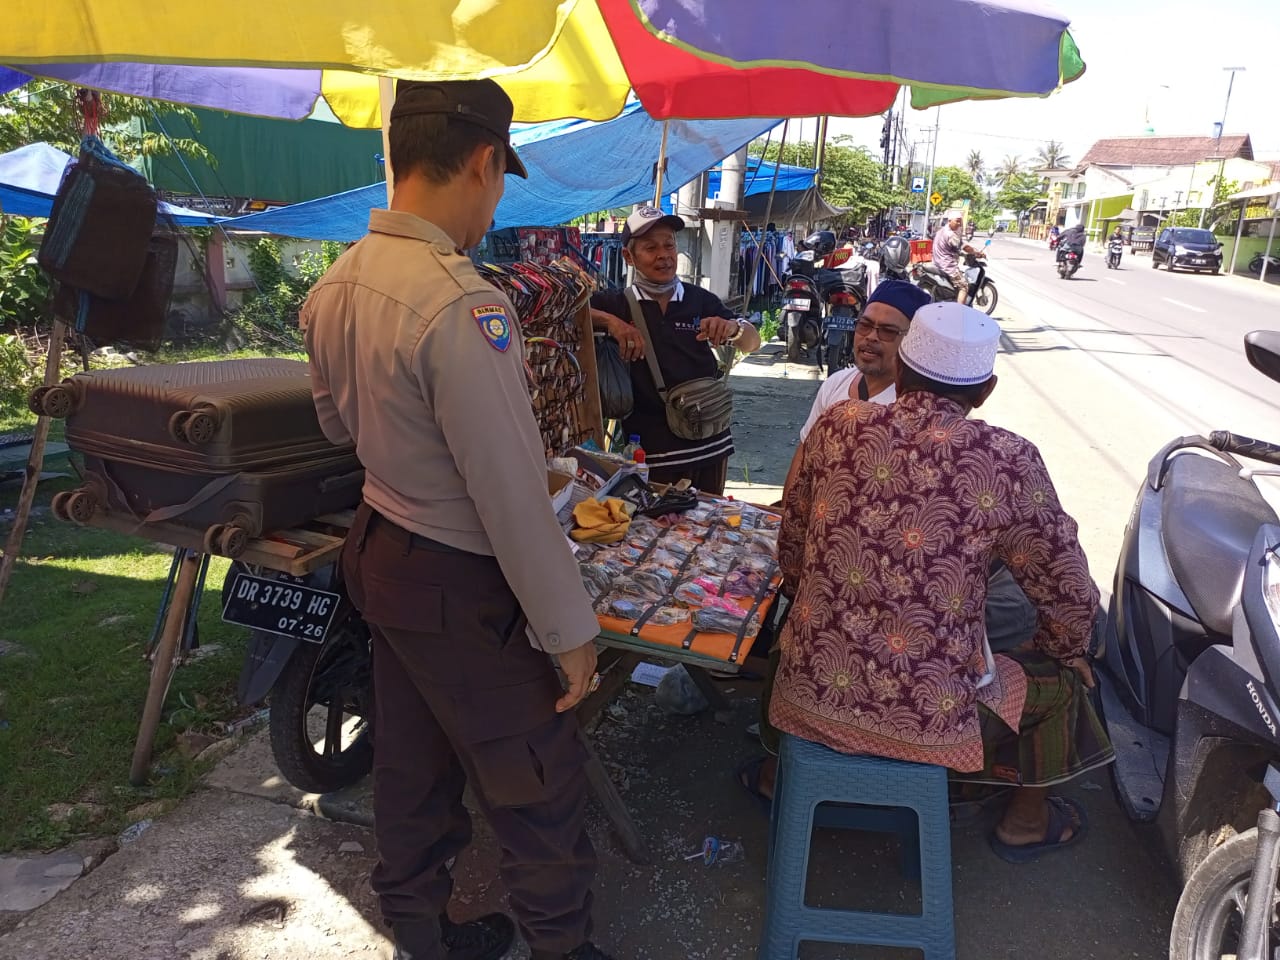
887	537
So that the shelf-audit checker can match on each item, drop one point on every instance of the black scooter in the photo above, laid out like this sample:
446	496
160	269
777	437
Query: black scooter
1115	250
801	320
1190	681
317	671
1069	258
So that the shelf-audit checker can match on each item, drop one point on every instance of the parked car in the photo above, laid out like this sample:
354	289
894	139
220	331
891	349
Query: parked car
1187	248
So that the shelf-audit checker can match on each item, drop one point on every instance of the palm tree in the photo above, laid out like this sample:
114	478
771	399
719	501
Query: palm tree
975	166
1009	168
1052	155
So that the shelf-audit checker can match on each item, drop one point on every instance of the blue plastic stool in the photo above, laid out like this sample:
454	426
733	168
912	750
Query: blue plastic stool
916	797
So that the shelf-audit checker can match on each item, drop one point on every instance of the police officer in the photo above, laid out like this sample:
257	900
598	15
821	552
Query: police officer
455	558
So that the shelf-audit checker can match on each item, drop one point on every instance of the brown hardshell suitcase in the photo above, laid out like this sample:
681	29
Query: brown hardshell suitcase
231	448
214	416
227	509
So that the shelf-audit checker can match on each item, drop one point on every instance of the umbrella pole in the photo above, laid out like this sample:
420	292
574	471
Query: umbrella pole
386	98
660	168
773	187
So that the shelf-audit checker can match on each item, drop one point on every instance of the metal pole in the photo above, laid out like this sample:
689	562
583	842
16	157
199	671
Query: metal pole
822	149
1266	257
1222	128
661	167
773	188
933	162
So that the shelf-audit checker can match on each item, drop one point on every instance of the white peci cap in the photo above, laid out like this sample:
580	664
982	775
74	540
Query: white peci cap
951	343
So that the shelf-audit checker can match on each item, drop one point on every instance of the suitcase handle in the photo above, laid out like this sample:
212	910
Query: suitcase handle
345	480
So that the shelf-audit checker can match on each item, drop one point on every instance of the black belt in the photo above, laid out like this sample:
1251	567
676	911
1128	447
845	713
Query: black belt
407	538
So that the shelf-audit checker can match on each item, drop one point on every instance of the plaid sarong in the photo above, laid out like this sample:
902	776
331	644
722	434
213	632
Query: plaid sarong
1060	735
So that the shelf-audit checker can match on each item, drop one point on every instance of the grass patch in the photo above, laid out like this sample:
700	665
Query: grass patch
80	610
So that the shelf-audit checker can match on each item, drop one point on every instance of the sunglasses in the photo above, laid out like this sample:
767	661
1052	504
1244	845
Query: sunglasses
883	331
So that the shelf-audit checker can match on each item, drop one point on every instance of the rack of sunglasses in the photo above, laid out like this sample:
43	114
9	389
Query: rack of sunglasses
552	302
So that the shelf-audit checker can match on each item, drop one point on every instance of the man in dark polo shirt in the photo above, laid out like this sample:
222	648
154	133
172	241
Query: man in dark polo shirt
685	323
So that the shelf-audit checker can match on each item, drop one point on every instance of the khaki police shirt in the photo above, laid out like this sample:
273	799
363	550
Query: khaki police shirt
420	362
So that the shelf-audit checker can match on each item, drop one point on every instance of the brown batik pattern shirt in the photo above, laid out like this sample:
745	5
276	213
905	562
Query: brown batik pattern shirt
886	541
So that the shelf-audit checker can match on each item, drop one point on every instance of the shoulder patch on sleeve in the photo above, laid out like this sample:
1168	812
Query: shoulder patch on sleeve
495	325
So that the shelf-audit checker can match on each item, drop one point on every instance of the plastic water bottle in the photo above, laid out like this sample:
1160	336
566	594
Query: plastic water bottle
633	444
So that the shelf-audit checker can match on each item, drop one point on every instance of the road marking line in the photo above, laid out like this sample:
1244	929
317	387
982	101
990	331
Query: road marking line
1113	280
1187	306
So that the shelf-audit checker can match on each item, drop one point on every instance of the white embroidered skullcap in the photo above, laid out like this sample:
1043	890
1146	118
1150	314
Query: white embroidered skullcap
951	343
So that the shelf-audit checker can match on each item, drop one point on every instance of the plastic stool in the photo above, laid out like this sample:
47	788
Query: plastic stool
810	775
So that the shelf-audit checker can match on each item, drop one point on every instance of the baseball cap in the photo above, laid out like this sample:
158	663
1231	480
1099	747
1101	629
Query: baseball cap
481	103
645	219
951	343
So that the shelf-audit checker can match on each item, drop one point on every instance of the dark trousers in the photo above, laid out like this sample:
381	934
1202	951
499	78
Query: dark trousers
709	476
461	697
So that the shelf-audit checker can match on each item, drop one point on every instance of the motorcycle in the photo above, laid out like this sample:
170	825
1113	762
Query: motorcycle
1189	681
982	291
1068	262
1255	265
843	309
1053	241
309	653
801	321
1115	250
895	259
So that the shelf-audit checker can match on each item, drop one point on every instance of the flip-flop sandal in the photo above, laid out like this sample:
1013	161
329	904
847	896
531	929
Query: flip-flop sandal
748	777
1063	813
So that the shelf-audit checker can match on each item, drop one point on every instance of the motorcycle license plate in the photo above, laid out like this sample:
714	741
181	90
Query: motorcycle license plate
796	303
842	324
281	606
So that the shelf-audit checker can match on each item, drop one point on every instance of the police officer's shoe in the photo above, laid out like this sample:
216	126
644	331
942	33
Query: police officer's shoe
587	951
485	938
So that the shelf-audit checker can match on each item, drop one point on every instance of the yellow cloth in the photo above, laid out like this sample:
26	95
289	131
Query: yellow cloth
555	58
601	521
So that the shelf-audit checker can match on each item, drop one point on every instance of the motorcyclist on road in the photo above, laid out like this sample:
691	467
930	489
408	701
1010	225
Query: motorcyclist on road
1072	239
947	248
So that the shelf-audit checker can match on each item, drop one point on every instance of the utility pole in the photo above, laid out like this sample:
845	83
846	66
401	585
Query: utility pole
1217	145
933	162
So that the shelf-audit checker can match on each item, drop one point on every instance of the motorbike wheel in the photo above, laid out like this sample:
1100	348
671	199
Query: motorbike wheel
987	298
1207	922
793	349
320	711
1062	270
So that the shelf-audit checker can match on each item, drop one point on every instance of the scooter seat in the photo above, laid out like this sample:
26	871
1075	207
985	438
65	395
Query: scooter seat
1209	519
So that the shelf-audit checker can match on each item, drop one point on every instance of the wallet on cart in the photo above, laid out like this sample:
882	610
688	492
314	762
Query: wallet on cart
648	503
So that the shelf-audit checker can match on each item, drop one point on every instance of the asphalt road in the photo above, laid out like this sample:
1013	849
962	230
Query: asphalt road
1104	369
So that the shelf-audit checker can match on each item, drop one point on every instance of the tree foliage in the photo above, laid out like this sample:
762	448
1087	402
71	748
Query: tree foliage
956	184
851	177
1053	155
976	166
51	114
1020	192
1009	167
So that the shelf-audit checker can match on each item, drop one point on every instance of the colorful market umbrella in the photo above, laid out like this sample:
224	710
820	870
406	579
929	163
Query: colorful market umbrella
689	59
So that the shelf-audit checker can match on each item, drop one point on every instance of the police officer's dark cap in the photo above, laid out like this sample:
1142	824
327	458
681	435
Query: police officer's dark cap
479	102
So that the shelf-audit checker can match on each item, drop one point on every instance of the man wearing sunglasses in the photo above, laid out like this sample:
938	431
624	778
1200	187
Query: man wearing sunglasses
884	320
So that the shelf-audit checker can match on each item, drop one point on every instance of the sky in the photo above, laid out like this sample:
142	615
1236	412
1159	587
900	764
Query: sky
1158	58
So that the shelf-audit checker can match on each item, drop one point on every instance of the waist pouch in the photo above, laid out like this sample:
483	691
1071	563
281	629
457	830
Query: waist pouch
696	409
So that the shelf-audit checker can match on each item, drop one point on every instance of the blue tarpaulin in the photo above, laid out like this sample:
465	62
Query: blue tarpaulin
29	177
576	167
